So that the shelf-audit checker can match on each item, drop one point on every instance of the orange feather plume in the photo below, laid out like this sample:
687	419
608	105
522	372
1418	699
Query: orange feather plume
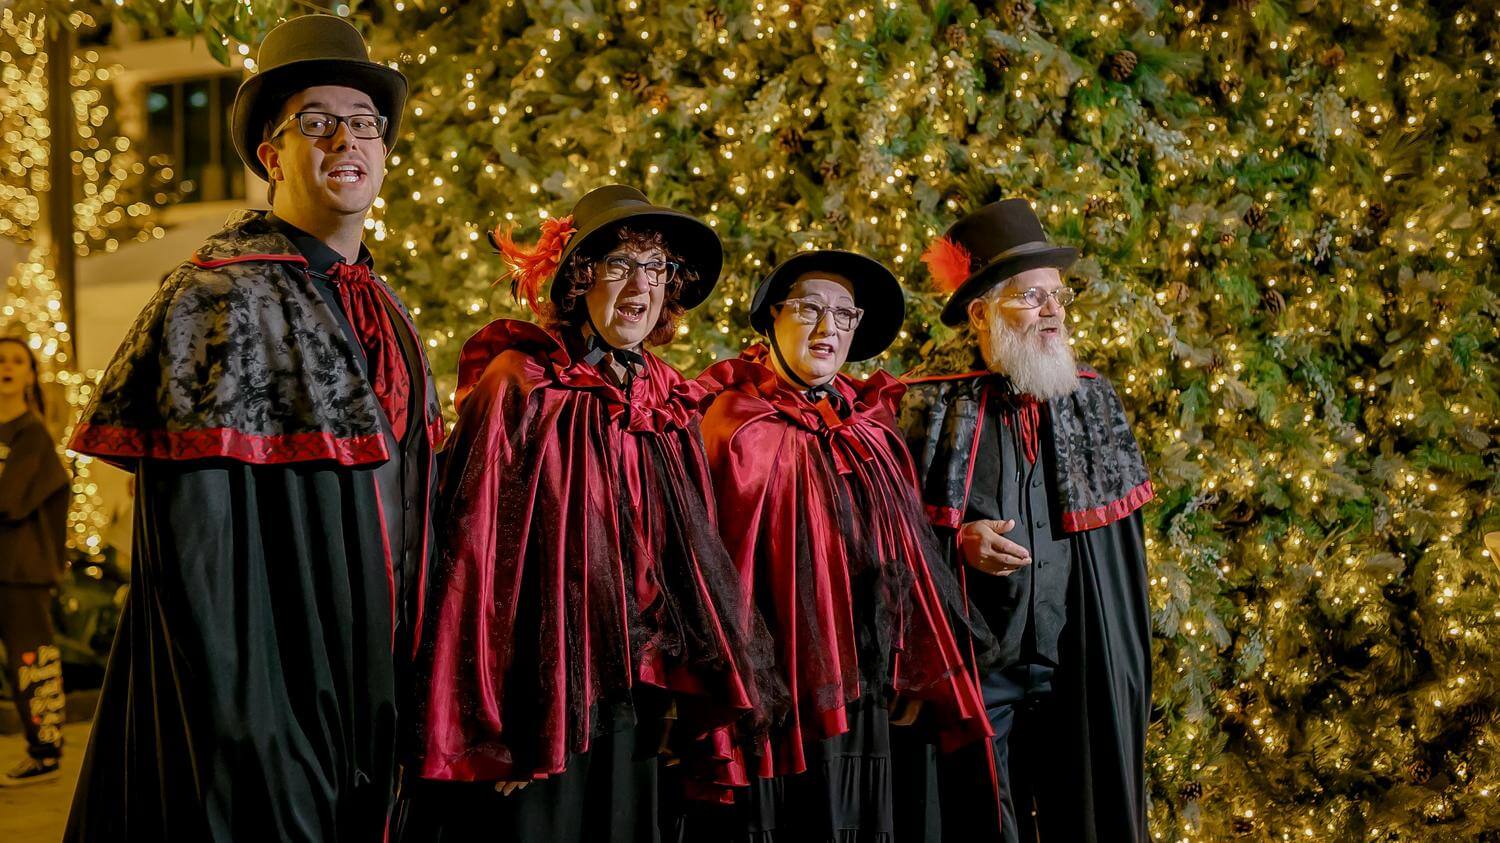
948	262
529	268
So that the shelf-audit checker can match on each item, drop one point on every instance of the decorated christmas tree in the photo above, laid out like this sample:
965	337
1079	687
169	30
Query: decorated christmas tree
1288	214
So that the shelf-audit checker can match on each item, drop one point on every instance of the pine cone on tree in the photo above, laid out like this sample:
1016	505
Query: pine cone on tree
1378	216
1255	217
1191	791
1273	301
633	82
656	97
956	37
1120	66
1475	714
836	217
714	18
1419	771
830	169
1332	57
1243	826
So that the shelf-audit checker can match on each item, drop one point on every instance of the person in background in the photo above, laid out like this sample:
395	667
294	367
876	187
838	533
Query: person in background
33	531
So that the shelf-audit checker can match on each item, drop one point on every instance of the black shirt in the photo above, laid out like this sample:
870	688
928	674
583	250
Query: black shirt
1027	609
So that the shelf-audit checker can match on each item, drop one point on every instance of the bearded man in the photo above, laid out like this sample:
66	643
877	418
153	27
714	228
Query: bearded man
1031	474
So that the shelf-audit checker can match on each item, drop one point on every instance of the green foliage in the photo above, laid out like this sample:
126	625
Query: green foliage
1287	210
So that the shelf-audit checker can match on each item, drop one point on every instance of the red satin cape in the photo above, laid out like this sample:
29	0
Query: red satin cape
579	561
785	472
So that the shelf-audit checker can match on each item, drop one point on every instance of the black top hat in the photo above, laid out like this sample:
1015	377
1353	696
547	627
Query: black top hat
304	52
876	291
1003	239
604	210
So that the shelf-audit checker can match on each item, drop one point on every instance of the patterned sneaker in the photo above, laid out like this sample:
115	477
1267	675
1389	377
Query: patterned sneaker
31	771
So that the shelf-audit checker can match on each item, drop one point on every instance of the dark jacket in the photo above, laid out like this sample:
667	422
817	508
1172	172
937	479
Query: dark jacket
33	504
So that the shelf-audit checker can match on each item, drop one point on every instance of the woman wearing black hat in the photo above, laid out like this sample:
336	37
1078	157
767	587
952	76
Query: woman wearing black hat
582	600
818	507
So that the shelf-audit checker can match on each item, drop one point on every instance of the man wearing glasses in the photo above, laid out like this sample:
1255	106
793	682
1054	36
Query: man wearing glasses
276	408
1031	473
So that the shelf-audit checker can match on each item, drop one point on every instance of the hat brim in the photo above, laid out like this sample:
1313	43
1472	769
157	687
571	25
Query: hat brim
263	94
876	292
956	311
692	239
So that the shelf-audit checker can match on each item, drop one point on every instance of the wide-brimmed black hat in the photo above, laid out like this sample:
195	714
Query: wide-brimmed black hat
605	210
302	53
1002	239
876	291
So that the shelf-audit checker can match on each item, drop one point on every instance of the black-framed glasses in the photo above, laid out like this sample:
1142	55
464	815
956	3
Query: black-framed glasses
809	312
1036	297
657	271
321	124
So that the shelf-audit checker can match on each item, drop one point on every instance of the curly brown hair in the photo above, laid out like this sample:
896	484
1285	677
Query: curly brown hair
570	311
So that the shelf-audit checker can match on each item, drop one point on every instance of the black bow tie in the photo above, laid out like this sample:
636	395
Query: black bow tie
827	392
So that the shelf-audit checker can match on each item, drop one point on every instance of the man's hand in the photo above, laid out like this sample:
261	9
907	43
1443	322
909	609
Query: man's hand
985	547
507	788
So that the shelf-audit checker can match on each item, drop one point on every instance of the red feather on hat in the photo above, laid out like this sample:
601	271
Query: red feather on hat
948	262
530	267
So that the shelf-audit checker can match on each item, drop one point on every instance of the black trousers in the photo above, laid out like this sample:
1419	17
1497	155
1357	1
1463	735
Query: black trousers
1022	710
34	666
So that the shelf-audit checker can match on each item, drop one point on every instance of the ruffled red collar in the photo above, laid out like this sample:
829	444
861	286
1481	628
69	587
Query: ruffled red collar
751	374
653	405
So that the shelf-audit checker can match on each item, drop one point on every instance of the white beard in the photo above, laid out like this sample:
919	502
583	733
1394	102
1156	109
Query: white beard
1037	367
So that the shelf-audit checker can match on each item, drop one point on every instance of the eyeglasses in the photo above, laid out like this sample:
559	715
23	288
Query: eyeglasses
1036	297
811	313
321	124
658	272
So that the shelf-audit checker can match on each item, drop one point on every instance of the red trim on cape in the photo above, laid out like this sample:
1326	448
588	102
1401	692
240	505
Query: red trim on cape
205	263
416	638
1100	516
390	562
944	516
256	449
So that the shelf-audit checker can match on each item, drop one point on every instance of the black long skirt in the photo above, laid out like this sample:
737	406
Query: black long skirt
608	795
